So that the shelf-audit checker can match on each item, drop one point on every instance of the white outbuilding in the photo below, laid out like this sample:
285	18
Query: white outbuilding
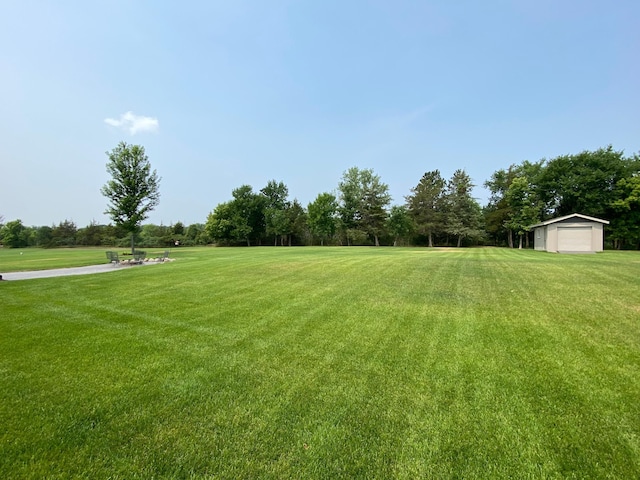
573	233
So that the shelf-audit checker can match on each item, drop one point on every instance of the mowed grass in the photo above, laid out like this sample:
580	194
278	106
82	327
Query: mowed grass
326	363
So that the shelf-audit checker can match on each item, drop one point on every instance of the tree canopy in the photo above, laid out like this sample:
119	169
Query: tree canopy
276	205
322	216
363	202
239	220
425	204
602	183
583	183
133	190
593	183
462	212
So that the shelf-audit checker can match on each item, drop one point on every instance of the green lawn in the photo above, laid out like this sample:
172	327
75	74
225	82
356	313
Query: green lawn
324	363
26	259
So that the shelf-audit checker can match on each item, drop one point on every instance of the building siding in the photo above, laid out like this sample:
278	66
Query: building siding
573	234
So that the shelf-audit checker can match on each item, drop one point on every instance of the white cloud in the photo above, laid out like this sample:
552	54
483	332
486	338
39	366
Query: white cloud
134	123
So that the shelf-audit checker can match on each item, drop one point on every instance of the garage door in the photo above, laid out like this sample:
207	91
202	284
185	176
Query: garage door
574	239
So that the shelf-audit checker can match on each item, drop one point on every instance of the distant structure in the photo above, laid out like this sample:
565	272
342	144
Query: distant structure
573	233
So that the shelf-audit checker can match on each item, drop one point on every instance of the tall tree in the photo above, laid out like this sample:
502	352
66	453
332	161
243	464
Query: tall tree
463	215
584	183
64	234
277	224
399	223
43	236
625	227
249	209
297	222
425	204
349	213
276	194
375	199
275	210
133	190
239	220
322	216
500	209
525	207
14	234
221	226
363	201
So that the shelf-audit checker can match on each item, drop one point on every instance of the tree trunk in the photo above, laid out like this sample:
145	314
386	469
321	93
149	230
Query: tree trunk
526	240
459	241
377	242
132	247
395	242
290	239
248	242
510	238
430	239
520	243
322	242
275	241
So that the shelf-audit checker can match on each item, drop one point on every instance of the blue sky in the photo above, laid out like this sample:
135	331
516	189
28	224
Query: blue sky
225	93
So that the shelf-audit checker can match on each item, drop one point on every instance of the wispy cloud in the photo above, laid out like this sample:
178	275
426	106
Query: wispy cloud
133	123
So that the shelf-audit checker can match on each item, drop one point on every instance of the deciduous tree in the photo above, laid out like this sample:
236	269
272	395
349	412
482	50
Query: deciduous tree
133	190
525	207
275	210
299	227
626	224
239	220
43	236
220	226
585	182
399	223
500	210
14	234
322	216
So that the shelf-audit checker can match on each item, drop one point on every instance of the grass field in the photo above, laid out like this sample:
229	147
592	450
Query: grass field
21	260
323	363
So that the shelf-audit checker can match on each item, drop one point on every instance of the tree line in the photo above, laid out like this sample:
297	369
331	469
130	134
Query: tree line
602	183
437	211
358	213
67	234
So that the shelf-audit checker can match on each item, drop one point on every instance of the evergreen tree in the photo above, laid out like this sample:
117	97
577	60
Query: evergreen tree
462	213
425	204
